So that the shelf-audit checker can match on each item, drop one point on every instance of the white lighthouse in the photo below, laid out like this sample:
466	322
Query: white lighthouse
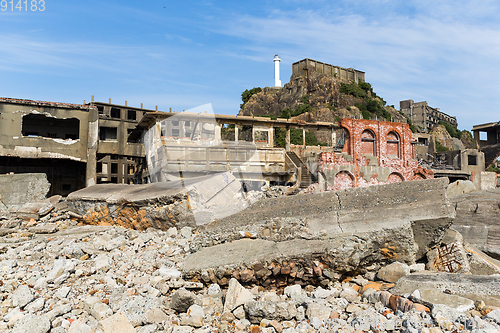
277	81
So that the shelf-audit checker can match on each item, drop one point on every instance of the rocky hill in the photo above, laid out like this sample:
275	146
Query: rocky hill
319	97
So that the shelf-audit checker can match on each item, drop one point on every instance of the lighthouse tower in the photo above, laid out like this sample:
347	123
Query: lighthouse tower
277	81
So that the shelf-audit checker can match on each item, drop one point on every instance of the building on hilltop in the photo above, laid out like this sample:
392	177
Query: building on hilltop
424	116
302	66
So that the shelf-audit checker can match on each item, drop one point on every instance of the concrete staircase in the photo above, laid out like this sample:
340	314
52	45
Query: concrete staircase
305	177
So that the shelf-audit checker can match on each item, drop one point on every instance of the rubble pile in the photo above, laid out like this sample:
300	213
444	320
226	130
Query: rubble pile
110	279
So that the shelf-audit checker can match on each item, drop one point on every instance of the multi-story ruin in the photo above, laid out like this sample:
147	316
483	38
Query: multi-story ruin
303	66
424	116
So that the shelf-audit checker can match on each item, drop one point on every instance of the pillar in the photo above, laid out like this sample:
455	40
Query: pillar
303	136
287	139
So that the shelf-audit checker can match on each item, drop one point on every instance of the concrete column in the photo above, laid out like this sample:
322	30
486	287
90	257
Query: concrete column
218	130
92	145
334	137
287	139
303	137
236	133
271	136
253	133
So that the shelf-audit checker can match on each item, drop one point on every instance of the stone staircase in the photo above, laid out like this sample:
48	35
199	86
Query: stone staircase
306	178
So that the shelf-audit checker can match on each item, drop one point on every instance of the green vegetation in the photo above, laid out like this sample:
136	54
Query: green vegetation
454	133
440	148
295	137
408	121
245	96
371	105
493	168
302	108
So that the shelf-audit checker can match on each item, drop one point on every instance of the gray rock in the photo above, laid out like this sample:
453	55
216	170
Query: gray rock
60	270
62	292
32	324
59	311
349	294
258	310
320	311
187	232
36	305
393	272
78	326
214	290
182	299
22	296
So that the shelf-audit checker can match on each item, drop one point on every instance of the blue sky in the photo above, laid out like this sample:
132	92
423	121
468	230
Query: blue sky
182	54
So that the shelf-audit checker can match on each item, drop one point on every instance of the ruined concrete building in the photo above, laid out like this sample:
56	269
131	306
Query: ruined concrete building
487	139
74	145
301	67
82	145
424	116
366	152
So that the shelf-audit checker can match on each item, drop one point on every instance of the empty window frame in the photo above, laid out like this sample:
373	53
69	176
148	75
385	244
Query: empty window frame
108	133
50	127
131	115
472	159
115	113
393	145
368	144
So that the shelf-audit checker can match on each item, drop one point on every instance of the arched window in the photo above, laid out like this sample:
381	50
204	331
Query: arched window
393	145
368	143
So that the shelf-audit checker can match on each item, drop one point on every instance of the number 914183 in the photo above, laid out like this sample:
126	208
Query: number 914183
22	5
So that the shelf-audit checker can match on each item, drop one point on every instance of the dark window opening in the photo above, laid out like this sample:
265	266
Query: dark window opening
114	180
175	123
423	141
100	109
131	115
98	167
115	113
66	187
175	132
187	124
108	133
472	159
40	125
114	167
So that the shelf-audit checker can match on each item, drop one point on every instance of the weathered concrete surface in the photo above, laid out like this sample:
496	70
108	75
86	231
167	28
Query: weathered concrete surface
460	187
188	202
477	219
473	287
19	189
484	180
347	229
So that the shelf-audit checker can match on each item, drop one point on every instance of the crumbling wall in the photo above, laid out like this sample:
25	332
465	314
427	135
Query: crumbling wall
376	152
19	189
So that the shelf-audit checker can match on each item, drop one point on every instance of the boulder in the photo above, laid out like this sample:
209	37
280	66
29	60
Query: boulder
393	272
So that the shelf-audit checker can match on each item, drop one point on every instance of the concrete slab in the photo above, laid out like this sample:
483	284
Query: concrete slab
431	297
473	287
188	202
344	230
19	189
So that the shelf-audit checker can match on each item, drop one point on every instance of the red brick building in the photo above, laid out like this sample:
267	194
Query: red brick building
374	152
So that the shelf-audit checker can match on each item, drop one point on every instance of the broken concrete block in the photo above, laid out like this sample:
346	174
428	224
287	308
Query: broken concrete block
393	272
19	189
35	209
460	187
344	228
450	258
236	295
484	180
188	202
117	323
473	287
431	297
480	263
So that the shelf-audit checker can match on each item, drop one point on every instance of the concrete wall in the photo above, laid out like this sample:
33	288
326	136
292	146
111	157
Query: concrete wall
41	145
301	67
17	190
